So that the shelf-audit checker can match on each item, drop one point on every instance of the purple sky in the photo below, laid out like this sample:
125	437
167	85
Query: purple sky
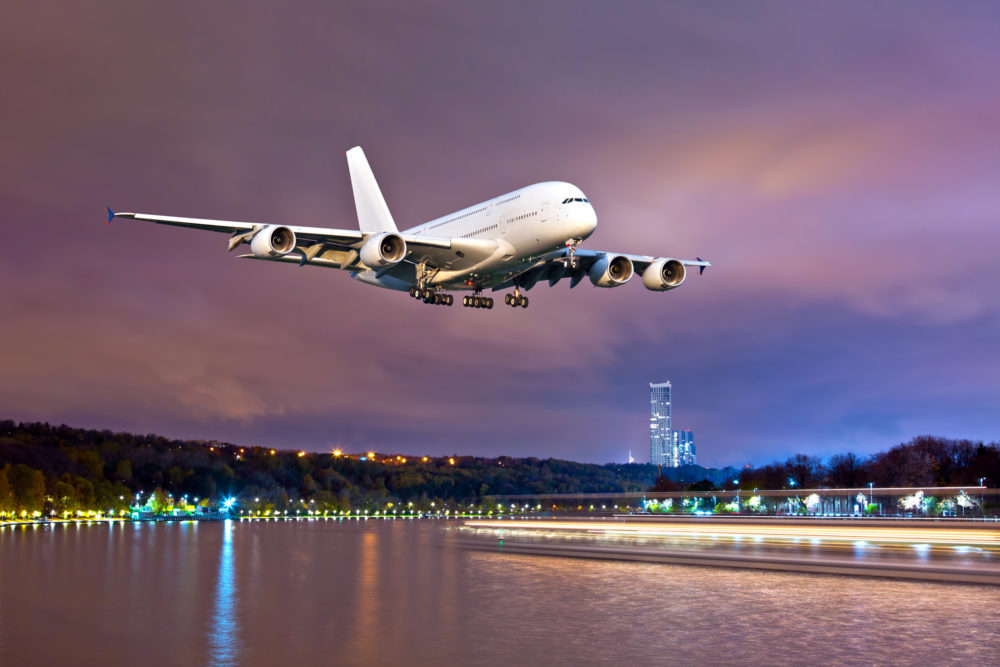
838	163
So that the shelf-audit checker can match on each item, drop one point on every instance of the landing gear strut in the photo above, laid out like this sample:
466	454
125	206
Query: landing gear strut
571	259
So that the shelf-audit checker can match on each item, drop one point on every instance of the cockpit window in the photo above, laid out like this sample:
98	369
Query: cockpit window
573	199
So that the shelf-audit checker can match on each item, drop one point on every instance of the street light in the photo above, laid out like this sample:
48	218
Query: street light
870	501
982	508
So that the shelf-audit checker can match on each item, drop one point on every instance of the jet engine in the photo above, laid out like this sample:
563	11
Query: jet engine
383	249
272	241
664	274
611	271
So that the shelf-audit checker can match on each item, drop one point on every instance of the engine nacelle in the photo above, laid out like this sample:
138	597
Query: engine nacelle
383	249
611	271
664	274
272	241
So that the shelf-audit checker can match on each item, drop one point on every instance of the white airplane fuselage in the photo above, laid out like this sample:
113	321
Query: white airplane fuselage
525	223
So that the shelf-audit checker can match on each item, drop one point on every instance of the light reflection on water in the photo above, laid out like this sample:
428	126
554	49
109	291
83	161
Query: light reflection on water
223	633
404	592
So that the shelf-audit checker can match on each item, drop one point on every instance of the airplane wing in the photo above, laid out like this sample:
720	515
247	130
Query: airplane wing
558	265
336	248
339	236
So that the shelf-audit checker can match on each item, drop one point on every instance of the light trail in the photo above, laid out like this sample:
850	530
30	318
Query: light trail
871	534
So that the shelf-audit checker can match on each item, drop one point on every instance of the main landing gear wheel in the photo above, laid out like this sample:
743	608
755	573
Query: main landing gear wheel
515	300
477	302
432	296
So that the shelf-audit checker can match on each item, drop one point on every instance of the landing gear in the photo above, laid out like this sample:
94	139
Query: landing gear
571	262
432	296
516	299
477	301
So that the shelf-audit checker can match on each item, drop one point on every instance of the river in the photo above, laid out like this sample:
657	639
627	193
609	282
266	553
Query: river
409	592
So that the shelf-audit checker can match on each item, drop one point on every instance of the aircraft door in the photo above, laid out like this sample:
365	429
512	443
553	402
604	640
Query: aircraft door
545	212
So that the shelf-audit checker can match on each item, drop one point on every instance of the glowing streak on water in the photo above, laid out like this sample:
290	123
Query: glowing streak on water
223	633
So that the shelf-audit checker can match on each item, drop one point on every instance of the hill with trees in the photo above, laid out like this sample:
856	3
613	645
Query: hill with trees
924	461
86	469
62	469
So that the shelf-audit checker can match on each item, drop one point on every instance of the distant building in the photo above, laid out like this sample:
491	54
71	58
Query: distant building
660	439
683	448
667	447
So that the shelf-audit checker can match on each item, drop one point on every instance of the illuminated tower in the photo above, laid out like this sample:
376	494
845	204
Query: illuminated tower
683	447
660	439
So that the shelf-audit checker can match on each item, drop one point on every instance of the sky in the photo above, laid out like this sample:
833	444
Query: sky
836	162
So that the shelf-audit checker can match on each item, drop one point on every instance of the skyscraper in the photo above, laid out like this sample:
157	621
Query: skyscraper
660	439
683	447
667	447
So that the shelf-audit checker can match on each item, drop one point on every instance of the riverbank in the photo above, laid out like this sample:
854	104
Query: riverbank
174	519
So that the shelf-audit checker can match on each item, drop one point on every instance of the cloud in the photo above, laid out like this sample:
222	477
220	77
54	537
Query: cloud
838	168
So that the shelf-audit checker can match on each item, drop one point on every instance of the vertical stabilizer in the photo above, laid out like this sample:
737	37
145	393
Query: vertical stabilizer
373	214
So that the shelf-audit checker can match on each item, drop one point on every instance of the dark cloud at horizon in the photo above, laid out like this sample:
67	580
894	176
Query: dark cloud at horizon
837	164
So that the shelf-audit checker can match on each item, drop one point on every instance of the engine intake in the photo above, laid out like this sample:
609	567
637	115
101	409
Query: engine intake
611	271
384	249
664	274
272	241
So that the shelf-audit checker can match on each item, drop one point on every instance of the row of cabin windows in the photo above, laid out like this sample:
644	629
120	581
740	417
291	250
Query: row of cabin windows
495	225
480	231
508	200
572	199
478	210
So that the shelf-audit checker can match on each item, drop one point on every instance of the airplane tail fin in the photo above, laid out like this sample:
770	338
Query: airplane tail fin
373	214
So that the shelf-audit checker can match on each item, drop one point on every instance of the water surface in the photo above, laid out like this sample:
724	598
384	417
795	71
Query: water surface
406	592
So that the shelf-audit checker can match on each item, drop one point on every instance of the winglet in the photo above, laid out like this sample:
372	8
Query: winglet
111	215
701	269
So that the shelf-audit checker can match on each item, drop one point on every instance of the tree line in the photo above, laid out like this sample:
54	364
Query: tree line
46	468
921	462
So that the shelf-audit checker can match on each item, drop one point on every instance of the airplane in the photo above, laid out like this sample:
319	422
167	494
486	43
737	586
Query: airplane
510	242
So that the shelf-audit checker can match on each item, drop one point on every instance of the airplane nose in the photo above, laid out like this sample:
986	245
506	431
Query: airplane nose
586	222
